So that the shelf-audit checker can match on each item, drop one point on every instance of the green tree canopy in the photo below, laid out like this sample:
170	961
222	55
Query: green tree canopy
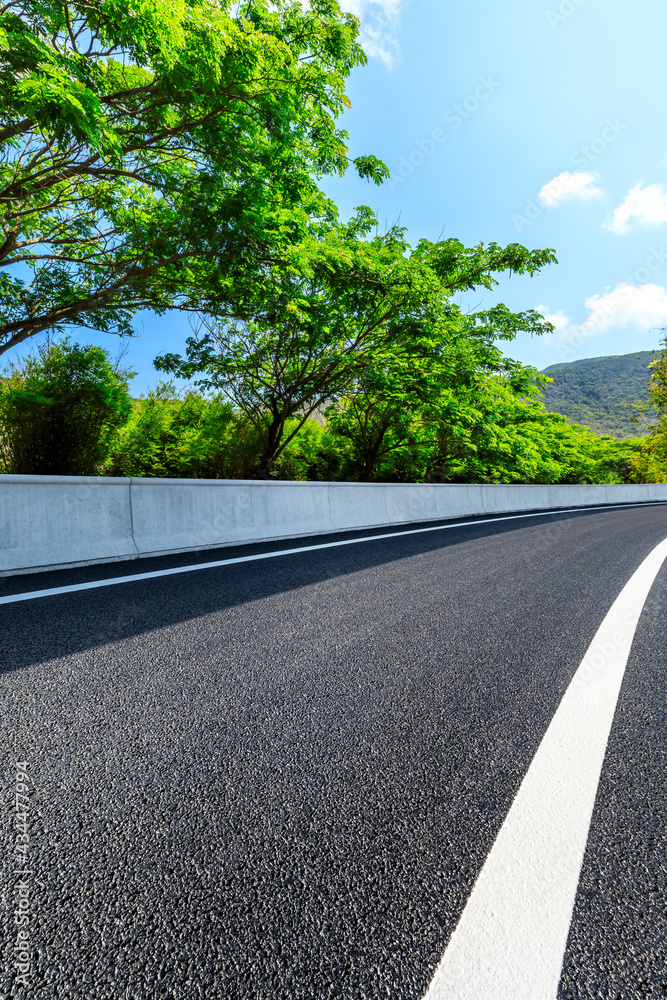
478	429
344	308
417	407
152	151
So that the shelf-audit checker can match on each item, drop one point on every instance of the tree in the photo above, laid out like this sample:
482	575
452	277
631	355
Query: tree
509	437
59	408
413	411
341	306
484	431
152	152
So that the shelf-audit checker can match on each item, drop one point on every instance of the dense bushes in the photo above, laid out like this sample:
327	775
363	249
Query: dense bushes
506	440
170	436
66	410
189	436
494	437
59	409
487	434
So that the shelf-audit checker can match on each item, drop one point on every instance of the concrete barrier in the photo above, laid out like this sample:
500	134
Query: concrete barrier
49	522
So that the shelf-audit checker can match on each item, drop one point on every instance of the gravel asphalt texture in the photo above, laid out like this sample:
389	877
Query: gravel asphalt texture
279	780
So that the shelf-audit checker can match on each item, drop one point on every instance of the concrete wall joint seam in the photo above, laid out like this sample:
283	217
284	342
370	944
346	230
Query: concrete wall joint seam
134	541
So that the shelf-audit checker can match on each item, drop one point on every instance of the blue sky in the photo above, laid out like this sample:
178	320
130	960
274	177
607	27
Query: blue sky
540	122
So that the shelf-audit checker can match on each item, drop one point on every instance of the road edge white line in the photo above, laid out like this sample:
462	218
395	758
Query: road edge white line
510	941
196	567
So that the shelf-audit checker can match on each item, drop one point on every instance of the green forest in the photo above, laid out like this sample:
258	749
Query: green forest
169	157
604	393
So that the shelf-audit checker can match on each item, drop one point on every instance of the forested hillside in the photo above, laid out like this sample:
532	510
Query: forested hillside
599	392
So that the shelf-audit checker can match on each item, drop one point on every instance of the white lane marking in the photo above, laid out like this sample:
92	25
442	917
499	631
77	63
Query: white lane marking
510	941
115	580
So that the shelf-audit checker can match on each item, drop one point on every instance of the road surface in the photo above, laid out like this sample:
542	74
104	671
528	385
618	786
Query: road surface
282	779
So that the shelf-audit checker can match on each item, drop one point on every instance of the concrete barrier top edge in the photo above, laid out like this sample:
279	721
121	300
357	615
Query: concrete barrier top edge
155	481
8	477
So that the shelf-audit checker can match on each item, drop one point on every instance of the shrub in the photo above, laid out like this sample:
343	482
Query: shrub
59	408
182	436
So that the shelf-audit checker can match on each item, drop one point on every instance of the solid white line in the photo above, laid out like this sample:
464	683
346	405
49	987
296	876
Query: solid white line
510	941
115	580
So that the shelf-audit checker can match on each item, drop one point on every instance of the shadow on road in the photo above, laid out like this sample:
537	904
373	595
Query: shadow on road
45	629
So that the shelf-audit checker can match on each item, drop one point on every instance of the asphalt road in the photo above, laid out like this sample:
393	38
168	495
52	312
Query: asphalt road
280	780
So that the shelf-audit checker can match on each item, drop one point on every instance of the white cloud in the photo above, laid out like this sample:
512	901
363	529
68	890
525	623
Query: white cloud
645	206
568	186
557	319
380	20
628	305
643	307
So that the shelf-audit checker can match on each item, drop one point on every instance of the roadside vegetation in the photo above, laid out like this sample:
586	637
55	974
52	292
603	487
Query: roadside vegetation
60	409
67	410
650	464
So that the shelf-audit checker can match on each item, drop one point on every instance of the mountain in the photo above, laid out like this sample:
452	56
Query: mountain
598	392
